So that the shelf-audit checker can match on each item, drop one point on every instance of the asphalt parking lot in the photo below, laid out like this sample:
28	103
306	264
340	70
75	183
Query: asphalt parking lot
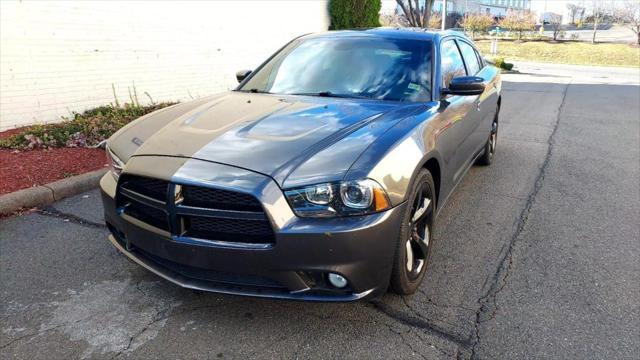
536	256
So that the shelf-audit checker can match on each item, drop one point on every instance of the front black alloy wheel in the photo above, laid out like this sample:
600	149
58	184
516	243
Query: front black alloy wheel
414	245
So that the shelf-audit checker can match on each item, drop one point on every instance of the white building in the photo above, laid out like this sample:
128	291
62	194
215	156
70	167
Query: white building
499	8
59	57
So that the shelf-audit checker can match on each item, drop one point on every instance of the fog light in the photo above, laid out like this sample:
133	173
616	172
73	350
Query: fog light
337	280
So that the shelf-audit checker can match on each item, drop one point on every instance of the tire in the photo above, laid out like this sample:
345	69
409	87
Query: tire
490	146
410	252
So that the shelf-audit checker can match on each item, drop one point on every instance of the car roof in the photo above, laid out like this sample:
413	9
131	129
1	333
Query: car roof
390	32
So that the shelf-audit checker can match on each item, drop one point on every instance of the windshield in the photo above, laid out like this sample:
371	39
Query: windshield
358	67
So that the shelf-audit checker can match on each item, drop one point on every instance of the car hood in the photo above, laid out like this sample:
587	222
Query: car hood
297	139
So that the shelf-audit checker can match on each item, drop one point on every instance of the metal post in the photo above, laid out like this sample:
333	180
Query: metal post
444	14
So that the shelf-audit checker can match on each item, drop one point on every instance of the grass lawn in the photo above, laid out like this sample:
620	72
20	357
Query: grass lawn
569	52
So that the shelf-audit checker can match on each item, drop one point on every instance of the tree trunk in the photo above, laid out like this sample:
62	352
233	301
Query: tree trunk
416	22
426	13
595	29
638	36
417	15
407	13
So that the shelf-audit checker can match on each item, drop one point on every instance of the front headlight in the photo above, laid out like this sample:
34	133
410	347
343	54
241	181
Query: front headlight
115	164
338	199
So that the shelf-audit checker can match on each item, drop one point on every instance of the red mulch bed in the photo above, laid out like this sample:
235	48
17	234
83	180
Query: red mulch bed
19	170
7	133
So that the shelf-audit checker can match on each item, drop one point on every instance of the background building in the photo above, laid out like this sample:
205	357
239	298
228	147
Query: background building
59	57
495	7
499	8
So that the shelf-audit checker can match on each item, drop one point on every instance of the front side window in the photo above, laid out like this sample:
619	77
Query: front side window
358	67
452	65
470	58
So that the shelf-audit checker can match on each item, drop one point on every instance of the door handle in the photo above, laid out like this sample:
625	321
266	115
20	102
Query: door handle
478	105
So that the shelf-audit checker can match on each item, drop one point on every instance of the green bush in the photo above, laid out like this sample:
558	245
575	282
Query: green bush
352	14
81	130
506	66
500	63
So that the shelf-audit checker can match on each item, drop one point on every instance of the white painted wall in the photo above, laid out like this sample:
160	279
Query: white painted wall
58	57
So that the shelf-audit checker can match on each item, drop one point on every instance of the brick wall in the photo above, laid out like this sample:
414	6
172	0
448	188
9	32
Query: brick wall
58	57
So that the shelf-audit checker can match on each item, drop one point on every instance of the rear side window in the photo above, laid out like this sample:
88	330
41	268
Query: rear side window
452	65
470	58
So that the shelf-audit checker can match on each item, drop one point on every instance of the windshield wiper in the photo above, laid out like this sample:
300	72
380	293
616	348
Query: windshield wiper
330	94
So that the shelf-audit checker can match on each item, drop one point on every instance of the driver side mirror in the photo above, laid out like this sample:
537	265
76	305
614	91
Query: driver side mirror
465	86
242	74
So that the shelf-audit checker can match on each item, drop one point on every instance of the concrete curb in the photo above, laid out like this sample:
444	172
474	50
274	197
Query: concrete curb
49	193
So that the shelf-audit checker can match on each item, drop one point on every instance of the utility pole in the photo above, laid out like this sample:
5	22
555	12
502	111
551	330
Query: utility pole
444	14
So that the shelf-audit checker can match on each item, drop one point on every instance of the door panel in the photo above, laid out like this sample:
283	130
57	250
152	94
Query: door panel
488	104
454	130
476	117
454	110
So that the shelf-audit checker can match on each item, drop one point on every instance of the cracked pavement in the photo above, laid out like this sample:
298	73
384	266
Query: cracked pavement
536	256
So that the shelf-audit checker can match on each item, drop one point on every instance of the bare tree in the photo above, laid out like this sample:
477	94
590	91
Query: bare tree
573	10
519	21
580	13
555	21
476	23
630	16
602	10
416	15
597	13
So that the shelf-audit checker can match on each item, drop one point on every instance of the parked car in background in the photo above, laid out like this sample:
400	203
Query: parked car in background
318	178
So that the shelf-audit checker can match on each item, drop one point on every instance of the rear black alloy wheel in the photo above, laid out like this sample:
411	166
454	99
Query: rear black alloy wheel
414	245
490	146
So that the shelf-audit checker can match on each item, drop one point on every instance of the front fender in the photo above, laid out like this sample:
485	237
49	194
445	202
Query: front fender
394	160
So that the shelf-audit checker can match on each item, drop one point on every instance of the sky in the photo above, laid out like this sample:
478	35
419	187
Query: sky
554	6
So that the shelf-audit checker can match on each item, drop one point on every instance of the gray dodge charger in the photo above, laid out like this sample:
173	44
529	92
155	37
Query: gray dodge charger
318	178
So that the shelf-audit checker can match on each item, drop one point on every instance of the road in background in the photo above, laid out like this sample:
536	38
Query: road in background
537	255
614	33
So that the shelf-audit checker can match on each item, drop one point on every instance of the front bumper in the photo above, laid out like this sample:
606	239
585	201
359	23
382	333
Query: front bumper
359	248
